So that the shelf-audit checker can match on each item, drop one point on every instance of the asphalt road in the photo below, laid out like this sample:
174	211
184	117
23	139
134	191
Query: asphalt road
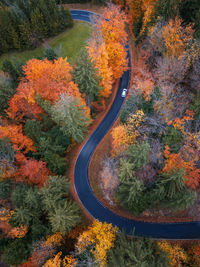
187	230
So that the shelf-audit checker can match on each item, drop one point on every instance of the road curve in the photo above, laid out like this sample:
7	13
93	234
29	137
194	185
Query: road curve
187	230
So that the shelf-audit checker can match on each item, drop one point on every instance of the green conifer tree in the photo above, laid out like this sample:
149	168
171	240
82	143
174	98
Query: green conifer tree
85	75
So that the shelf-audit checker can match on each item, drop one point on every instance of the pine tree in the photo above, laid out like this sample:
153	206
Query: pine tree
6	92
46	16
71	117
170	191
85	75
130	194
54	192
125	170
65	217
168	9
37	24
33	129
65	18
139	154
21	216
137	252
25	34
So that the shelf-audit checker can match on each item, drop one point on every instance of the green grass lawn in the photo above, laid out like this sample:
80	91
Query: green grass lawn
67	44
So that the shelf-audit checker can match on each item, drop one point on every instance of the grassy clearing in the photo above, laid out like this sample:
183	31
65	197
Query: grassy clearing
67	44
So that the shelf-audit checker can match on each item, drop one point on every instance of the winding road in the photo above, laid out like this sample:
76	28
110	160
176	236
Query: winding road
187	230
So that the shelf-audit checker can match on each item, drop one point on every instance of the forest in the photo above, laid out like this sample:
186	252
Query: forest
150	171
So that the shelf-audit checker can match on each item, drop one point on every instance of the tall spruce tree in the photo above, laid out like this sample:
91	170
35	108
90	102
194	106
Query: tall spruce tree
70	115
86	76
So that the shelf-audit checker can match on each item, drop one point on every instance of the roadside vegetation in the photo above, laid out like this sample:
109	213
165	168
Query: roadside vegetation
50	96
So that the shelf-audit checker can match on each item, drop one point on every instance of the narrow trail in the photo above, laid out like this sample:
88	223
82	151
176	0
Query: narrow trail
182	230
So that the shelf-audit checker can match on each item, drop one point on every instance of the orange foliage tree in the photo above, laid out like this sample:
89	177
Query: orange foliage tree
106	46
143	80
7	229
19	141
57	261
97	51
102	235
55	239
175	161
124	135
32	172
46	78
176	37
172	39
177	255
194	253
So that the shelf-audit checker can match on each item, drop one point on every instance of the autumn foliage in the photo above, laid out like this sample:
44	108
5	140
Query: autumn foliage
176	254
46	78
102	235
57	261
32	172
19	141
7	229
126	134
175	161
107	46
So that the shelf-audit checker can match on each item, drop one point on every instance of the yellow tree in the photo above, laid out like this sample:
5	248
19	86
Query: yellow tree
177	256
99	54
176	37
148	9
102	235
124	135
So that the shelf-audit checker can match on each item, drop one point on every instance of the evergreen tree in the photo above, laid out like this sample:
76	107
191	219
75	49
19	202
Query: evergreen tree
24	24
71	117
37	24
66	20
14	69
21	216
137	252
54	192
18	195
139	154
16	252
55	162
170	191
25	35
7	158
46	17
5	188
6	92
131	195
85	75
138	25
32	199
5	39
125	171
33	129
50	54
168	9
65	217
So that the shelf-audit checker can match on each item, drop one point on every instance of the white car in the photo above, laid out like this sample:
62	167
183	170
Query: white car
124	92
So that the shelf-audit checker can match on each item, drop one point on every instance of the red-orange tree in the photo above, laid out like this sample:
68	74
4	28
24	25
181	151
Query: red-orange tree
107	46
46	78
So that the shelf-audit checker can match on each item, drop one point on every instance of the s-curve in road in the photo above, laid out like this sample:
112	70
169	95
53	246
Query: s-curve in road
187	230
